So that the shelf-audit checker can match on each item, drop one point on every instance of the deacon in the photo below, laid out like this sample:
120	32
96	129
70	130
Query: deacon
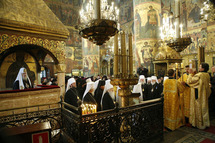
88	97
98	93
173	118
22	80
72	95
185	96
200	92
107	101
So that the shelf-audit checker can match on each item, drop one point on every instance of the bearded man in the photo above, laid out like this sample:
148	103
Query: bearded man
88	97
200	92
22	80
72	96
141	88
107	101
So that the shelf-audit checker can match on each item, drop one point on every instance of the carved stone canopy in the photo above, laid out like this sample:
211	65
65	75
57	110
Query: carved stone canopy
30	16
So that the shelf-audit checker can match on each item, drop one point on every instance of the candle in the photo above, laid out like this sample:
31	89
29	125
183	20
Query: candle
94	109
181	26
97	9
116	55
130	55
177	17
83	110
176	65
182	65
123	52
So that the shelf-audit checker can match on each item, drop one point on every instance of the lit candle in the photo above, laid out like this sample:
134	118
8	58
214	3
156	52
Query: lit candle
182	65
181	26
83	110
176	65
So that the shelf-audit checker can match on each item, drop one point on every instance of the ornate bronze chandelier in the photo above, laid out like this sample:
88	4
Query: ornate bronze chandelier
179	44
208	10
171	32
98	21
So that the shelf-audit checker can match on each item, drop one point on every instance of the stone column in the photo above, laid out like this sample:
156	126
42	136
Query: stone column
146	31
38	79
201	55
61	68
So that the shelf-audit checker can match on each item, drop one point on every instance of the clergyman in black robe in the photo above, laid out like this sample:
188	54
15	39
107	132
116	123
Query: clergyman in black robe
98	93
107	97
72	95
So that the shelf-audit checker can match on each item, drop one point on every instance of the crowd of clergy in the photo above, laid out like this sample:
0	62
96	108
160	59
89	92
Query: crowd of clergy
187	100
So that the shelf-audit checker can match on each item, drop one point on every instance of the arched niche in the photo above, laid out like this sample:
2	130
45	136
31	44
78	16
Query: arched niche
39	48
30	56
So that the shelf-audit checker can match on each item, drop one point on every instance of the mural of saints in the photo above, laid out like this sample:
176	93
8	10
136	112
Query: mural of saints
137	23
152	23
195	14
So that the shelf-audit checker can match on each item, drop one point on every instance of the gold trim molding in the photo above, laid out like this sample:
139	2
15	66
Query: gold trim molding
35	29
57	48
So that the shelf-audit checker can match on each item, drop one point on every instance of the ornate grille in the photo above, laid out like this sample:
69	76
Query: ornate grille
139	123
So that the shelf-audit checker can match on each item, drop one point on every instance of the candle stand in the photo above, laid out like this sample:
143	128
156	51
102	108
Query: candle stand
123	76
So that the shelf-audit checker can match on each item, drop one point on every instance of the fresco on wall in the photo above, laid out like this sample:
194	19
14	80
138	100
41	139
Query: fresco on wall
147	20
68	12
74	39
90	58
126	11
146	32
202	33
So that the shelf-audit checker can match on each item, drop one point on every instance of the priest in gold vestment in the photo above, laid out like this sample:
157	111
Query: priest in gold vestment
200	92
185	96
173	117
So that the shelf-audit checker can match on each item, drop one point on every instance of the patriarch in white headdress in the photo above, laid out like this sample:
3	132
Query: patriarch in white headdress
138	88
22	80
107	96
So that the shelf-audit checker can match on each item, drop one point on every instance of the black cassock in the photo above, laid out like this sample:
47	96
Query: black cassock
89	99
107	102
144	90
72	98
154	91
26	84
98	96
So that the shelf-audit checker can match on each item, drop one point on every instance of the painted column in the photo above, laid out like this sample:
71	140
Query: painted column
146	31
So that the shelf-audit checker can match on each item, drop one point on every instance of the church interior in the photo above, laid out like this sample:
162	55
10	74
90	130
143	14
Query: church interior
120	40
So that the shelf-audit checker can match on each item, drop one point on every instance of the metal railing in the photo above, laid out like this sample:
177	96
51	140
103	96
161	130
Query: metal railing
138	123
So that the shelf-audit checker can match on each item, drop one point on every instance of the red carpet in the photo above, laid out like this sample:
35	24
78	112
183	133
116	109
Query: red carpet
208	141
211	129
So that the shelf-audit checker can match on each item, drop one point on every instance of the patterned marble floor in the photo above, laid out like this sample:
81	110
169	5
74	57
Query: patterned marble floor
191	135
